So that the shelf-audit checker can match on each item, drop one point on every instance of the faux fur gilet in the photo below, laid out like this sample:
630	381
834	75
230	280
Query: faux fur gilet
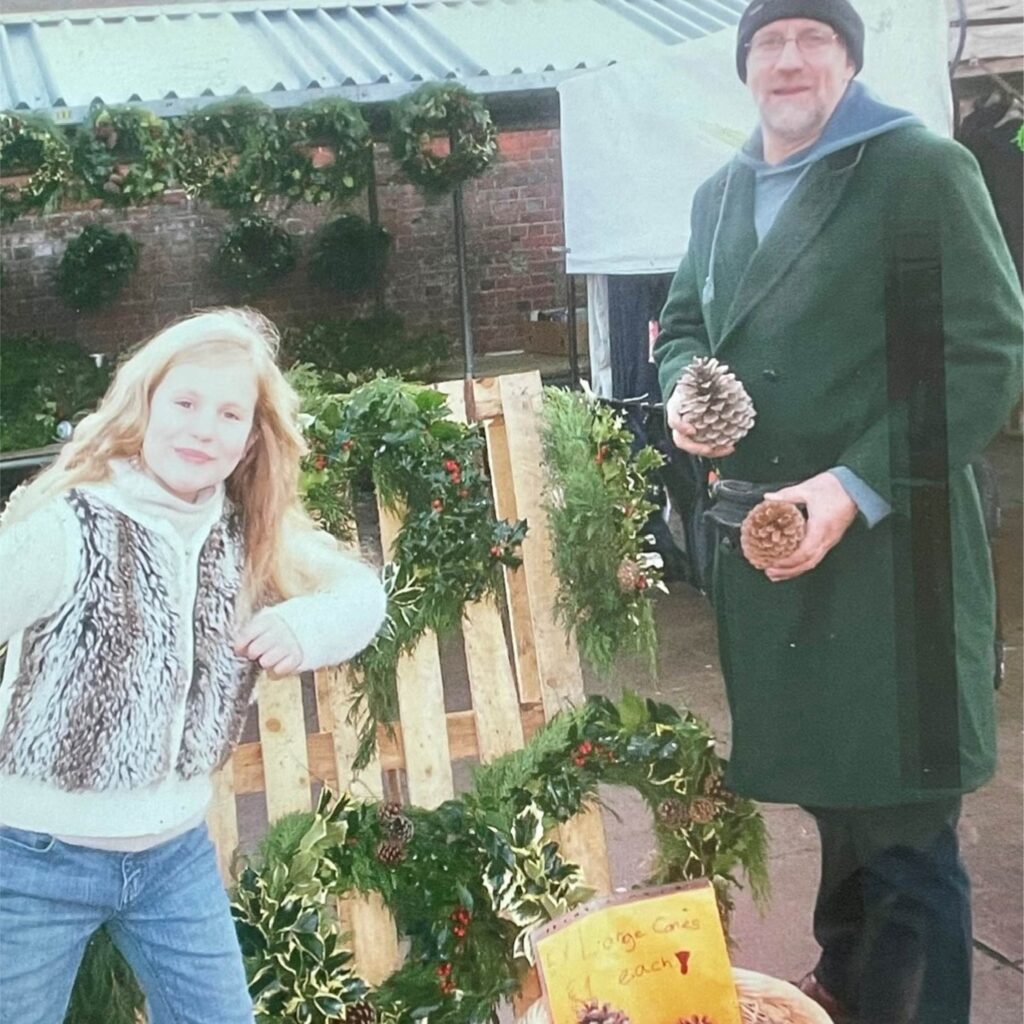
96	701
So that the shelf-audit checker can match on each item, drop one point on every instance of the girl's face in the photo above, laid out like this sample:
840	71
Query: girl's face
200	422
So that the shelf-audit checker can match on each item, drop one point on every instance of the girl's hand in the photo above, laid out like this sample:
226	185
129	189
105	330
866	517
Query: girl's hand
268	640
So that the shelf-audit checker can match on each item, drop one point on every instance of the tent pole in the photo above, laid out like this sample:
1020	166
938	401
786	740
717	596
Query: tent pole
574	350
467	327
373	209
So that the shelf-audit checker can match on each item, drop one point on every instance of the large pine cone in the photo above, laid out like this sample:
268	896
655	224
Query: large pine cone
715	402
702	810
629	575
593	1013
673	813
772	531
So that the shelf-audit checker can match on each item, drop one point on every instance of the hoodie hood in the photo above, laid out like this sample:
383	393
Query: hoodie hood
859	115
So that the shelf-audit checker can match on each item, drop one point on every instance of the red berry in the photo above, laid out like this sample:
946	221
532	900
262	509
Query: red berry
451	465
495	551
347	446
437	504
641	583
444	970
320	462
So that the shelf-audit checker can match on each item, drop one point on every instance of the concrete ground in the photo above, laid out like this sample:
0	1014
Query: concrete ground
780	942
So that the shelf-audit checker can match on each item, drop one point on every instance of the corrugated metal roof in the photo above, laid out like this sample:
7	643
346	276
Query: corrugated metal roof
173	56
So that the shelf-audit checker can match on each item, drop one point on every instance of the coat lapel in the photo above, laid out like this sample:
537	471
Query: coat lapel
799	222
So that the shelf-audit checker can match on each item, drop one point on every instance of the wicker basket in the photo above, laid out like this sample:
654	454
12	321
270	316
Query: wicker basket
763	1000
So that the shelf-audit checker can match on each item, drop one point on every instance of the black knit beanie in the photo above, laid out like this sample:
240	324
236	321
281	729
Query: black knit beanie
837	13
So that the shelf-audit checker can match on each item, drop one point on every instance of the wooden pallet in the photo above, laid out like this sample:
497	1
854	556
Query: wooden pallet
516	683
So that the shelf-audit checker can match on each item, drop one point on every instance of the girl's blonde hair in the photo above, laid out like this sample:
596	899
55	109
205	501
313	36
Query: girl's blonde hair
264	485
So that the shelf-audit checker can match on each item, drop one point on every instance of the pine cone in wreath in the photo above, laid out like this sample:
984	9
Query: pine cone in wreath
673	813
771	531
715	402
593	1013
360	1013
390	853
702	810
395	823
714	786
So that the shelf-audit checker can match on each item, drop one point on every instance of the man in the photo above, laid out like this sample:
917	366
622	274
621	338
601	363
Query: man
848	267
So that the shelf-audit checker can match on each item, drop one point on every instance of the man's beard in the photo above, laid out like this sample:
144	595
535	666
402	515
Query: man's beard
793	121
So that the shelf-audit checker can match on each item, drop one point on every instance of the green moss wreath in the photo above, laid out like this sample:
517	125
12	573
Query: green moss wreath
454	113
349	254
254	253
95	267
36	150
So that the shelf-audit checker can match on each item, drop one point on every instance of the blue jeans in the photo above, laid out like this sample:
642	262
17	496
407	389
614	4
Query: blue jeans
164	908
893	914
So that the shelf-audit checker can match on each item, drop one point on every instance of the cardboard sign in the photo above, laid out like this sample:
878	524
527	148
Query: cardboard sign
657	955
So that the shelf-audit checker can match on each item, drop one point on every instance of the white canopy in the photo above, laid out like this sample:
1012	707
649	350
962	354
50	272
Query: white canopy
639	137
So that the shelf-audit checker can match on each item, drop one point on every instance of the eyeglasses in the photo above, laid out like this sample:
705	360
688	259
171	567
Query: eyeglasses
811	42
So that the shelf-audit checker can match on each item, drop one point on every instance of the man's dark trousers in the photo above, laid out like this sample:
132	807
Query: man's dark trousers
893	914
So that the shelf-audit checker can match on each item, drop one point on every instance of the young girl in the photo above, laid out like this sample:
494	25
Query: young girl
148	577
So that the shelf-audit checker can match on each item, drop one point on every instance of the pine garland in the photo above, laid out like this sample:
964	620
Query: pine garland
597	504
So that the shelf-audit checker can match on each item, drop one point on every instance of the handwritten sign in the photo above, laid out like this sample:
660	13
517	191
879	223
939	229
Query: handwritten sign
656	955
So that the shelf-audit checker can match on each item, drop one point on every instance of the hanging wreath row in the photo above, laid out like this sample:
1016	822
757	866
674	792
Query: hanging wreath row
468	881
238	153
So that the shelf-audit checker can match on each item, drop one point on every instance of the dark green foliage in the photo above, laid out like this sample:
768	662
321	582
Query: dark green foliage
361	344
123	155
229	153
254	253
105	991
95	267
35	147
597	503
43	381
349	254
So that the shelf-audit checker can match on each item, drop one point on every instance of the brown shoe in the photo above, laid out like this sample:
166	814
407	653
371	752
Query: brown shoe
814	990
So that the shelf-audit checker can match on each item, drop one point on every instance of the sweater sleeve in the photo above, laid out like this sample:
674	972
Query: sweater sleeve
337	620
38	563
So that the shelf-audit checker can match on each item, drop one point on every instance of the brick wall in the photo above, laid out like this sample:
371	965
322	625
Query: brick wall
513	219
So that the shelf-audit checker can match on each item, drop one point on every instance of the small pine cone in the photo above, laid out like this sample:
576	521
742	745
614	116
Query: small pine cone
594	1013
702	810
390	853
401	830
771	531
715	402
673	813
629	575
360	1013
388	813
713	786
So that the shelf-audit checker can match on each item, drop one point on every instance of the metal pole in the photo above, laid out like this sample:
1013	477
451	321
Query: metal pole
374	211
460	255
574	351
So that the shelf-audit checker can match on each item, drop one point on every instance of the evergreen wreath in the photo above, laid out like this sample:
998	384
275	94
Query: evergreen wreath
123	154
455	114
95	267
467	881
327	152
597	503
349	254
253	253
428	469
34	149
230	153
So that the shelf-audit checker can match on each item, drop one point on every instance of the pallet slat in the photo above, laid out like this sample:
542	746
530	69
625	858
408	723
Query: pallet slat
283	743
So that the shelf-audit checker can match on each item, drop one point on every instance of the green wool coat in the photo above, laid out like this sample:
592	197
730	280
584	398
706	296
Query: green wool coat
843	691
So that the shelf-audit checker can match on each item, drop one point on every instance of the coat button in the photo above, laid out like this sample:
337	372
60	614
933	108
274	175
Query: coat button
771	375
